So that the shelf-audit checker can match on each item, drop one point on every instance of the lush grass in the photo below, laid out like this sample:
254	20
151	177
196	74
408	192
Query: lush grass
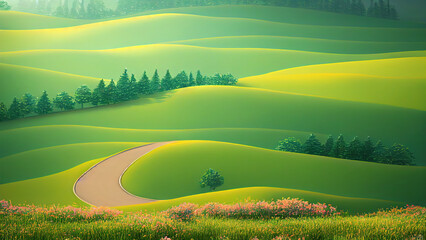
25	139
56	189
289	15
241	62
45	161
12	20
304	44
174	27
398	82
237	107
244	166
39	224
17	80
352	205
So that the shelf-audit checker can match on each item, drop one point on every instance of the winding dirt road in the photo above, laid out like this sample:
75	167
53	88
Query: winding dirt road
101	184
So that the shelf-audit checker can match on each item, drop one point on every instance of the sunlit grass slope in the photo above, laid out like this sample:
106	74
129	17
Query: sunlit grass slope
17	80
56	189
175	169
45	161
241	62
288	15
25	139
173	27
352	205
12	20
241	107
304	44
398	82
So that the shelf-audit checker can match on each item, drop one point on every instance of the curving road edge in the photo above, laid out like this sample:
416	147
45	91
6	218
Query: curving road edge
101	184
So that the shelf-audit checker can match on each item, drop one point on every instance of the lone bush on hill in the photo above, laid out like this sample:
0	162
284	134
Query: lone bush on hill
212	179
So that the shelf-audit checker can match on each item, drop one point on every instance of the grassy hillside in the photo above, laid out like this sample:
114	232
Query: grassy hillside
17	80
398	82
244	166
46	161
56	189
352	205
144	30
304	44
12	20
288	15
26	139
234	107
241	62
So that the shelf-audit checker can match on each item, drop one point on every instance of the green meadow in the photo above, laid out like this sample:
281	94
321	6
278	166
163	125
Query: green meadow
300	71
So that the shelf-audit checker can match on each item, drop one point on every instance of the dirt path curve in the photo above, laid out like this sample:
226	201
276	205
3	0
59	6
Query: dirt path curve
101	184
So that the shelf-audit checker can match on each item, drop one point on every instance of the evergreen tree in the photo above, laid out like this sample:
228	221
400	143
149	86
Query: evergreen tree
368	151
312	146
167	82
133	93
95	99
65	8
3	112
96	9
290	144
82	10
123	87
339	148
199	80
15	110
44	106
328	146
191	80
101	93
380	153
144	84
28	103
399	154
111	93
182	80
155	83
354	150
64	101
83	95
74	9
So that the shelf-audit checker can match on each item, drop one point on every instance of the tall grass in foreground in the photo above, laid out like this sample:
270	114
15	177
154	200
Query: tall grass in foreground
32	222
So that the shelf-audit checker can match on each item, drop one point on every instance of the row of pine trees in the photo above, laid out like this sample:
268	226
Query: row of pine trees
127	88
366	150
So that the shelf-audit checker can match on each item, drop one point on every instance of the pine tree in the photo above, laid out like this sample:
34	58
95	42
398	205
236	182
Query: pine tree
339	148
64	101
111	93
182	80
74	9
28	103
368	151
167	81
144	84
191	80
65	8
44	106
82	12
83	95
133	93
155	83
354	150
199	80
101	93
95	99
123	87
380	153
328	146
312	146
3	112
15	110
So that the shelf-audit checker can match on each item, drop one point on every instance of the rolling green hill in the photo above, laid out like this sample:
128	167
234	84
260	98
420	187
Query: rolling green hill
398	82
17	80
241	62
352	205
143	30
12	20
238	107
46	161
159	174
304	44
30	138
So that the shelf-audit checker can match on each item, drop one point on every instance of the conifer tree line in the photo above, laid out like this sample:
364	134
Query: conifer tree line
356	149
126	88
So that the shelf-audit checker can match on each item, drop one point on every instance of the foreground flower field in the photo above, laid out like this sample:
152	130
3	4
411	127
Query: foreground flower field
283	219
